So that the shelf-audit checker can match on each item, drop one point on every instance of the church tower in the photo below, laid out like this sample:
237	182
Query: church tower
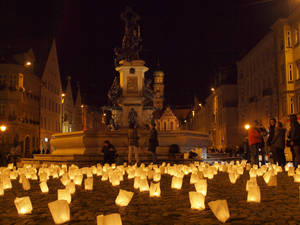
158	87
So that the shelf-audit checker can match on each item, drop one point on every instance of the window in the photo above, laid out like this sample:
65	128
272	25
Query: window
165	126
132	71
292	106
289	39
290	68
172	126
2	110
297	73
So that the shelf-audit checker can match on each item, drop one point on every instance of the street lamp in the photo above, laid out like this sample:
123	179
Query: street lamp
3	128
247	126
212	89
62	111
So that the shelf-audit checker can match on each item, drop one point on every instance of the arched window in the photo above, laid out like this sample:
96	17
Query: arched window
165	126
172	126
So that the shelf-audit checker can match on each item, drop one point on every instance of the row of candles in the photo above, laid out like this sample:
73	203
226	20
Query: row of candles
200	172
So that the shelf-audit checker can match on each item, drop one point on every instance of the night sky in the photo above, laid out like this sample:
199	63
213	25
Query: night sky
188	38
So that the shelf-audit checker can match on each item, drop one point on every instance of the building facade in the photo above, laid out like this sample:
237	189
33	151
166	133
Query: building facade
19	104
51	100
287	53
258	84
158	88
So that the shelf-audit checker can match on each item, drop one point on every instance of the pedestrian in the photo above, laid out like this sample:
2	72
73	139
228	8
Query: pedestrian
153	142
133	143
109	152
278	145
270	137
294	137
255	141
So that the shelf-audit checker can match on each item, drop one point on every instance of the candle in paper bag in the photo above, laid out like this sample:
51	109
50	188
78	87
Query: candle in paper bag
71	187
88	184
25	184
197	200
23	205
123	198
201	186
78	179
44	187
60	211
297	178
6	183
220	210
253	194
144	186
64	194
111	219
154	190
176	182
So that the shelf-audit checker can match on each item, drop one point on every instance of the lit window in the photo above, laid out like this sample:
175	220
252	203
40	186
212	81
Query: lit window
289	39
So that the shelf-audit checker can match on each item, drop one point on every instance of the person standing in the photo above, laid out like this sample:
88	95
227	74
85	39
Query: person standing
254	140
109	152
153	142
133	143
278	145
294	137
271	136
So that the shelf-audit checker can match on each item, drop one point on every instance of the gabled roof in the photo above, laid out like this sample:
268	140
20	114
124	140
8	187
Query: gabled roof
182	114
168	113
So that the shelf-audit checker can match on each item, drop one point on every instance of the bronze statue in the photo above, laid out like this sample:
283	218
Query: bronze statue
131	42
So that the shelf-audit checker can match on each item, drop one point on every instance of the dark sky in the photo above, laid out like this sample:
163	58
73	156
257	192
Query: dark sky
190	38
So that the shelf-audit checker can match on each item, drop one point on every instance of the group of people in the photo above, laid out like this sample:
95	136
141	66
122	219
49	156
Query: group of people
268	145
110	153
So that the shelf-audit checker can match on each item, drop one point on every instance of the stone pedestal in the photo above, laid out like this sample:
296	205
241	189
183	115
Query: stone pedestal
132	75
90	142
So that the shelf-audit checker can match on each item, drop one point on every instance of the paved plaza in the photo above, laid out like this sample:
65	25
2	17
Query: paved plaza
279	205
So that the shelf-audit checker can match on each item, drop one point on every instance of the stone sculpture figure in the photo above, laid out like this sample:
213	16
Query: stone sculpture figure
131	42
148	93
132	117
115	91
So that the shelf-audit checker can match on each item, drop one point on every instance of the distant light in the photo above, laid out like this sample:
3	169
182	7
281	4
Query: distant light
200	104
104	114
247	126
185	121
46	139
212	89
193	112
82	106
28	63
63	95
3	128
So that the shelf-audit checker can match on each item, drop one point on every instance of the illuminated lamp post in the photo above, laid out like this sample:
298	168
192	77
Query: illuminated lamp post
63	95
83	113
3	128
